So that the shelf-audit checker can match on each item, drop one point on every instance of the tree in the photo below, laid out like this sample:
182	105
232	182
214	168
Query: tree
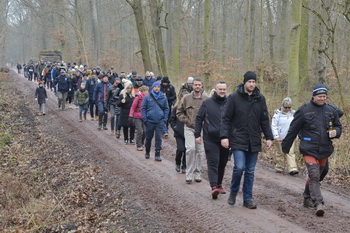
304	48
206	42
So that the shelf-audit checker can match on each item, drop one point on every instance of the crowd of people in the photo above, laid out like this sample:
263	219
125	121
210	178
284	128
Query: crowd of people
214	126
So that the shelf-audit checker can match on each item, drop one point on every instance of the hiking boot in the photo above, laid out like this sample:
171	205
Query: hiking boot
92	118
147	154
214	192
221	189
99	126
112	132
84	116
293	173
117	135
80	119
166	135
188	179
249	204
157	156
126	142
96	118
132	142
197	178
183	169
232	199
309	203
177	168
320	210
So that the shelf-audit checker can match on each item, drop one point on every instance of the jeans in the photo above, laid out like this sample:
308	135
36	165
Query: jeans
112	115
82	108
244	161
92	104
151	129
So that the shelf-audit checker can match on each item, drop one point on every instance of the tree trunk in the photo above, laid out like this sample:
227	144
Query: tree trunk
206	42
293	56
246	38
304	48
252	32
283	29
177	38
321	58
224	31
271	34
95	31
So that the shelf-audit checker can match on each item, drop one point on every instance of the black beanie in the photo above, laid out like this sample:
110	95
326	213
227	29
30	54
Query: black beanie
319	89
248	76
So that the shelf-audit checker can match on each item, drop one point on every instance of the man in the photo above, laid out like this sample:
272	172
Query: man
19	67
63	87
245	117
31	70
169	90
132	77
112	101
154	110
210	114
90	87
100	98
148	80
187	112
316	123
188	86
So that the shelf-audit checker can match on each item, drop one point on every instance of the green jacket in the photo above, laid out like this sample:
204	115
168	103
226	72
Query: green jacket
81	97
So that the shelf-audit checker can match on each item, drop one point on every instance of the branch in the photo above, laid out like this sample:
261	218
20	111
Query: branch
318	15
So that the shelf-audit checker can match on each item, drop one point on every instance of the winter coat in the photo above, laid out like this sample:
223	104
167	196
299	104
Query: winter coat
63	82
90	86
176	125
125	109
100	92
210	113
311	124
244	117
188	109
135	110
185	89
81	97
150	110
169	91
280	123
31	68
41	95
148	82
113	95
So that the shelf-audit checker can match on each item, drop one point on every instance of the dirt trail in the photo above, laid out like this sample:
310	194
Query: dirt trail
171	205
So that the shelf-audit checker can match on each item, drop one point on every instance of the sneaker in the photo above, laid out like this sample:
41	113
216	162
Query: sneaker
166	135
126	142
188	179
249	204
92	118
279	170
132	142
309	203
112	132
147	155
177	168
96	118
221	189
99	127
214	192
183	169
293	173
232	199
140	148
105	128
117	135
320	210
197	178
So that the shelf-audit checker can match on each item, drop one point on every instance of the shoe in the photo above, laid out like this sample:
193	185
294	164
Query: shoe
112	132
139	148
293	173
147	155
215	192
249	204
96	118
188	179
320	210
84	116
99	127
177	168
166	135
279	171
183	169
126	142
117	135
232	199
309	203
80	119
157	156
197	178
105	128
92	118
44	113
132	142
221	189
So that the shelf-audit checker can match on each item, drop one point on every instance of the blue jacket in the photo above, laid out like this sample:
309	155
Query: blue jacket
63	82
151	112
90	87
148	83
101	92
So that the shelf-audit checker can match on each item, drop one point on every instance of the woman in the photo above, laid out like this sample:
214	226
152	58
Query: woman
125	101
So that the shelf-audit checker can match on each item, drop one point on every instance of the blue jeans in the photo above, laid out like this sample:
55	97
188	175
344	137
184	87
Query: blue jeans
244	161
82	108
151	129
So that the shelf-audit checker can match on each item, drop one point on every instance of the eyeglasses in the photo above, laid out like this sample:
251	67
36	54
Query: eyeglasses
287	107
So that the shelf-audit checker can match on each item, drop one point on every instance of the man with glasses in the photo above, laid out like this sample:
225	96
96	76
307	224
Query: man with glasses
245	117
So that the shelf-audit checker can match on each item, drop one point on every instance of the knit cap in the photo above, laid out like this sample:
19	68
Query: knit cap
155	84
319	89
248	76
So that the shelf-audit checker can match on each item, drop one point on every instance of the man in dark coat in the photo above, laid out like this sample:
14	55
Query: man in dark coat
169	91
245	116
100	97
41	96
316	124
63	87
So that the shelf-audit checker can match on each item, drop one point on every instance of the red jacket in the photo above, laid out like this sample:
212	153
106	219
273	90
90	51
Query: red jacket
135	110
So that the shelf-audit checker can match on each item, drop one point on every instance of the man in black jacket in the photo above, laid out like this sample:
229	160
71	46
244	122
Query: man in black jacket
210	114
316	123
63	87
245	116
169	91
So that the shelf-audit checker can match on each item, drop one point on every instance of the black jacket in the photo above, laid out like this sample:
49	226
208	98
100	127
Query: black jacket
125	110
244	118
113	95
210	113
311	123
169	91
176	125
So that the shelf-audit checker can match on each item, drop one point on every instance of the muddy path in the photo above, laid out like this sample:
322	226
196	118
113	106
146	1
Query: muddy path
165	203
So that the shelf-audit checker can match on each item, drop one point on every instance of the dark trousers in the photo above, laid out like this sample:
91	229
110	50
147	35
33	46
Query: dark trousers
151	129
102	113
217	157
180	151
92	105
126	133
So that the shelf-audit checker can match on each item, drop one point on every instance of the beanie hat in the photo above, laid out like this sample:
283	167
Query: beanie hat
155	84
190	80
319	89
138	78
165	80
100	76
248	76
